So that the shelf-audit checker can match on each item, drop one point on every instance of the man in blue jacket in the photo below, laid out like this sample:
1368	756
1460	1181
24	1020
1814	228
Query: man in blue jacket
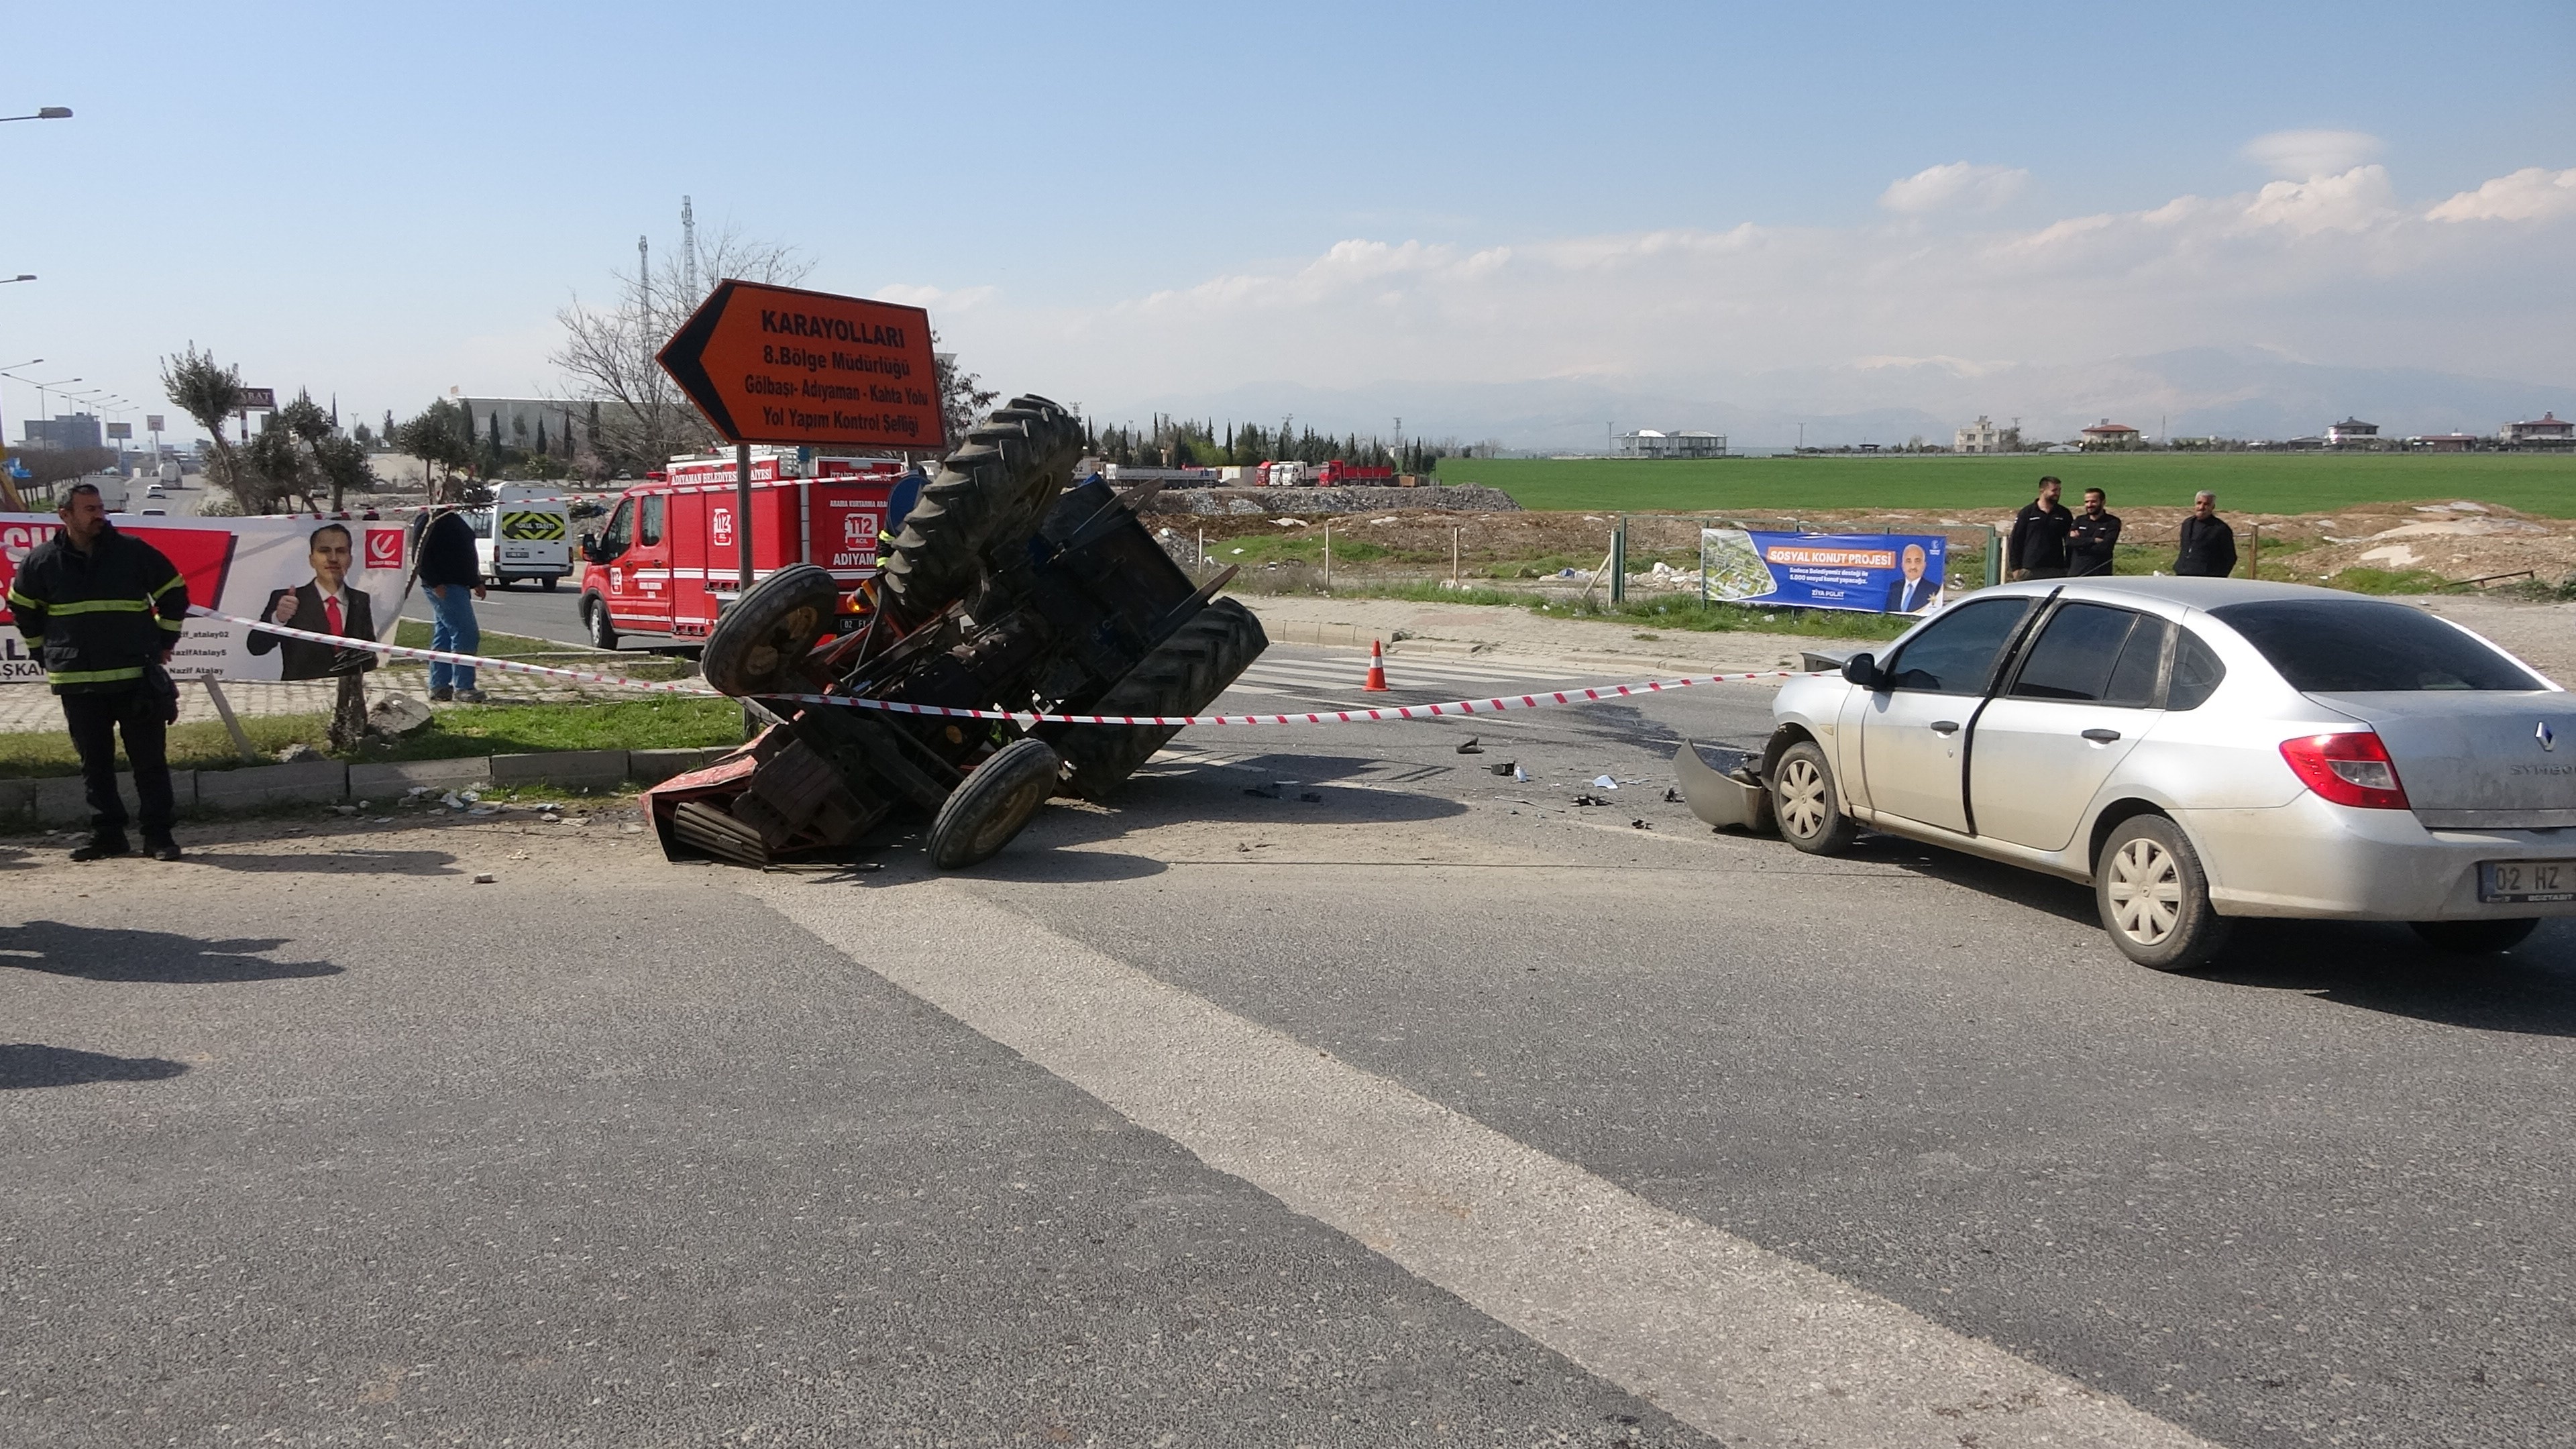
102	610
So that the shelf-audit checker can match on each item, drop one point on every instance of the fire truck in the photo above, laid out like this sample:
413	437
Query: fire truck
668	559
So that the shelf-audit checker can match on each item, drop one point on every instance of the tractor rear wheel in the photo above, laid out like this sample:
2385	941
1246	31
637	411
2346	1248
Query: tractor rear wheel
1183	675
758	644
977	512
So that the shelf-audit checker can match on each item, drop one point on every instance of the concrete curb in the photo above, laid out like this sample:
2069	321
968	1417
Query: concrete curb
60	800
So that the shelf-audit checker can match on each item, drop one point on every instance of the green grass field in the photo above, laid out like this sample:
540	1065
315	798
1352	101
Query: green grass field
2245	482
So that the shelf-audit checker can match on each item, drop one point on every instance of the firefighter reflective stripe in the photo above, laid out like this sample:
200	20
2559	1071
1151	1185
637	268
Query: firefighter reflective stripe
61	677
172	625
21	601
532	526
176	582
99	606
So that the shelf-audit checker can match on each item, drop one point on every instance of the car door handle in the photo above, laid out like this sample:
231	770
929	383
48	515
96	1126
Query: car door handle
2101	737
1945	727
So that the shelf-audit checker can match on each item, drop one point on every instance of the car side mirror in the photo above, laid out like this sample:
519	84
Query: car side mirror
590	547
1861	669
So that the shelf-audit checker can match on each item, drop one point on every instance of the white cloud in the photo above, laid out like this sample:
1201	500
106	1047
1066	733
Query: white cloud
2298	155
939	299
2530	194
2332	267
1958	186
2352	201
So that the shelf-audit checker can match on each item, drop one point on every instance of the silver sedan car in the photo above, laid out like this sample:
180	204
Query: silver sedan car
2197	750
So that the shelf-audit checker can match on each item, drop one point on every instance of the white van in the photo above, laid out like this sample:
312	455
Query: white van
525	534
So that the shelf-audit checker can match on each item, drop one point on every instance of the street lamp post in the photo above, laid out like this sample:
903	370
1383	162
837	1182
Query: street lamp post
44	113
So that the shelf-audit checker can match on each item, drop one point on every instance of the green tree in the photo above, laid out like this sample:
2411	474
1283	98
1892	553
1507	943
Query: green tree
210	393
272	470
962	394
441	436
342	462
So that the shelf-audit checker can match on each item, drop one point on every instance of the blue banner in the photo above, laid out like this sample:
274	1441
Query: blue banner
1879	573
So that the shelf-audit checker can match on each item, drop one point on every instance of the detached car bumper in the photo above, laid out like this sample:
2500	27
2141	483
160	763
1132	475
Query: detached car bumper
2313	858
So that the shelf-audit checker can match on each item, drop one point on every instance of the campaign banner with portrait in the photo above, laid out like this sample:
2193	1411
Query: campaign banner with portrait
348	577
1879	573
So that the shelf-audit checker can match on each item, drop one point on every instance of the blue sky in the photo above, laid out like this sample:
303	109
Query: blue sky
1115	203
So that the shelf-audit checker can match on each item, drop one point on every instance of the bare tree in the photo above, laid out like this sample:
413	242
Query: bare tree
607	352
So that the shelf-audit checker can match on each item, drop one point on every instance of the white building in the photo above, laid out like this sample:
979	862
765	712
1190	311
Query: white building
1981	436
2352	432
1649	443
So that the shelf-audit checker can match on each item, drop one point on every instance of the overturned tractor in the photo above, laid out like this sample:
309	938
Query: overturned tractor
1009	588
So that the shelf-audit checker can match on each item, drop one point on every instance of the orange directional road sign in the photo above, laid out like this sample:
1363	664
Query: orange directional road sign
783	365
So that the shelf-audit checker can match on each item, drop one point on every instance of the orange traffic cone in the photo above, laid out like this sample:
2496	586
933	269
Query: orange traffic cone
1377	668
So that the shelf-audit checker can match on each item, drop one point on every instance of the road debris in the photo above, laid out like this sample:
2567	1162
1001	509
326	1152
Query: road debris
1471	747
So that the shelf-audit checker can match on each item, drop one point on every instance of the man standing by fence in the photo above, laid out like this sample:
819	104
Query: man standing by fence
2208	545
102	610
453	578
2037	548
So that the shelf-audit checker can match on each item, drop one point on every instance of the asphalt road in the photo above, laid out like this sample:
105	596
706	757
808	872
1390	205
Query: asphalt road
1436	1108
525	610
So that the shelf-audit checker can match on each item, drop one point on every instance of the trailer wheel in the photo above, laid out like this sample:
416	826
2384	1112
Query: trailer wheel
978	510
994	804
758	644
1183	675
595	621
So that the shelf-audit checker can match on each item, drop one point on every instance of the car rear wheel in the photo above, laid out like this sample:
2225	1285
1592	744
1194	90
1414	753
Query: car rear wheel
983	814
2474	938
758	644
1808	804
2154	898
595	622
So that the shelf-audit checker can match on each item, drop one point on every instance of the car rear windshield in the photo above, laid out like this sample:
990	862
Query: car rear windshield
2330	646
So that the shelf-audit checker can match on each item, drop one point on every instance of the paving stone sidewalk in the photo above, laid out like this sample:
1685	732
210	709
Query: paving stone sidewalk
29	707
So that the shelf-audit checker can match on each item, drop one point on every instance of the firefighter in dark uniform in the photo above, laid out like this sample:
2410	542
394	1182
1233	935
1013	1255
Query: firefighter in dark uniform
102	610
2091	538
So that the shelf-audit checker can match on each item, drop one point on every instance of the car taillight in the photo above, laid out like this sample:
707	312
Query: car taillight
2352	768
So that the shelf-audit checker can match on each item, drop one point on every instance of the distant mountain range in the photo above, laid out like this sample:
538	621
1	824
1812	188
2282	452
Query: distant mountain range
2202	391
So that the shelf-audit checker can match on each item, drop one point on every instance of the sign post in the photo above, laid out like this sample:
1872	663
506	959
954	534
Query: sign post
254	400
805	369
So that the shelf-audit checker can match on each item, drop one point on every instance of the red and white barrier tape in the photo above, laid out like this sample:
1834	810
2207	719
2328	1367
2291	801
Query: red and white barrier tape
1449	710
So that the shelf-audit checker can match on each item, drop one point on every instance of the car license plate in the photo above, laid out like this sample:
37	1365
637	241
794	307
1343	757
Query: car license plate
2527	880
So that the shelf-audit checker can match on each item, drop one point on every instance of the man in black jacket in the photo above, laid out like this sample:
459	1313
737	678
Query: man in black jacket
449	573
2091	539
102	609
2208	544
2037	548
